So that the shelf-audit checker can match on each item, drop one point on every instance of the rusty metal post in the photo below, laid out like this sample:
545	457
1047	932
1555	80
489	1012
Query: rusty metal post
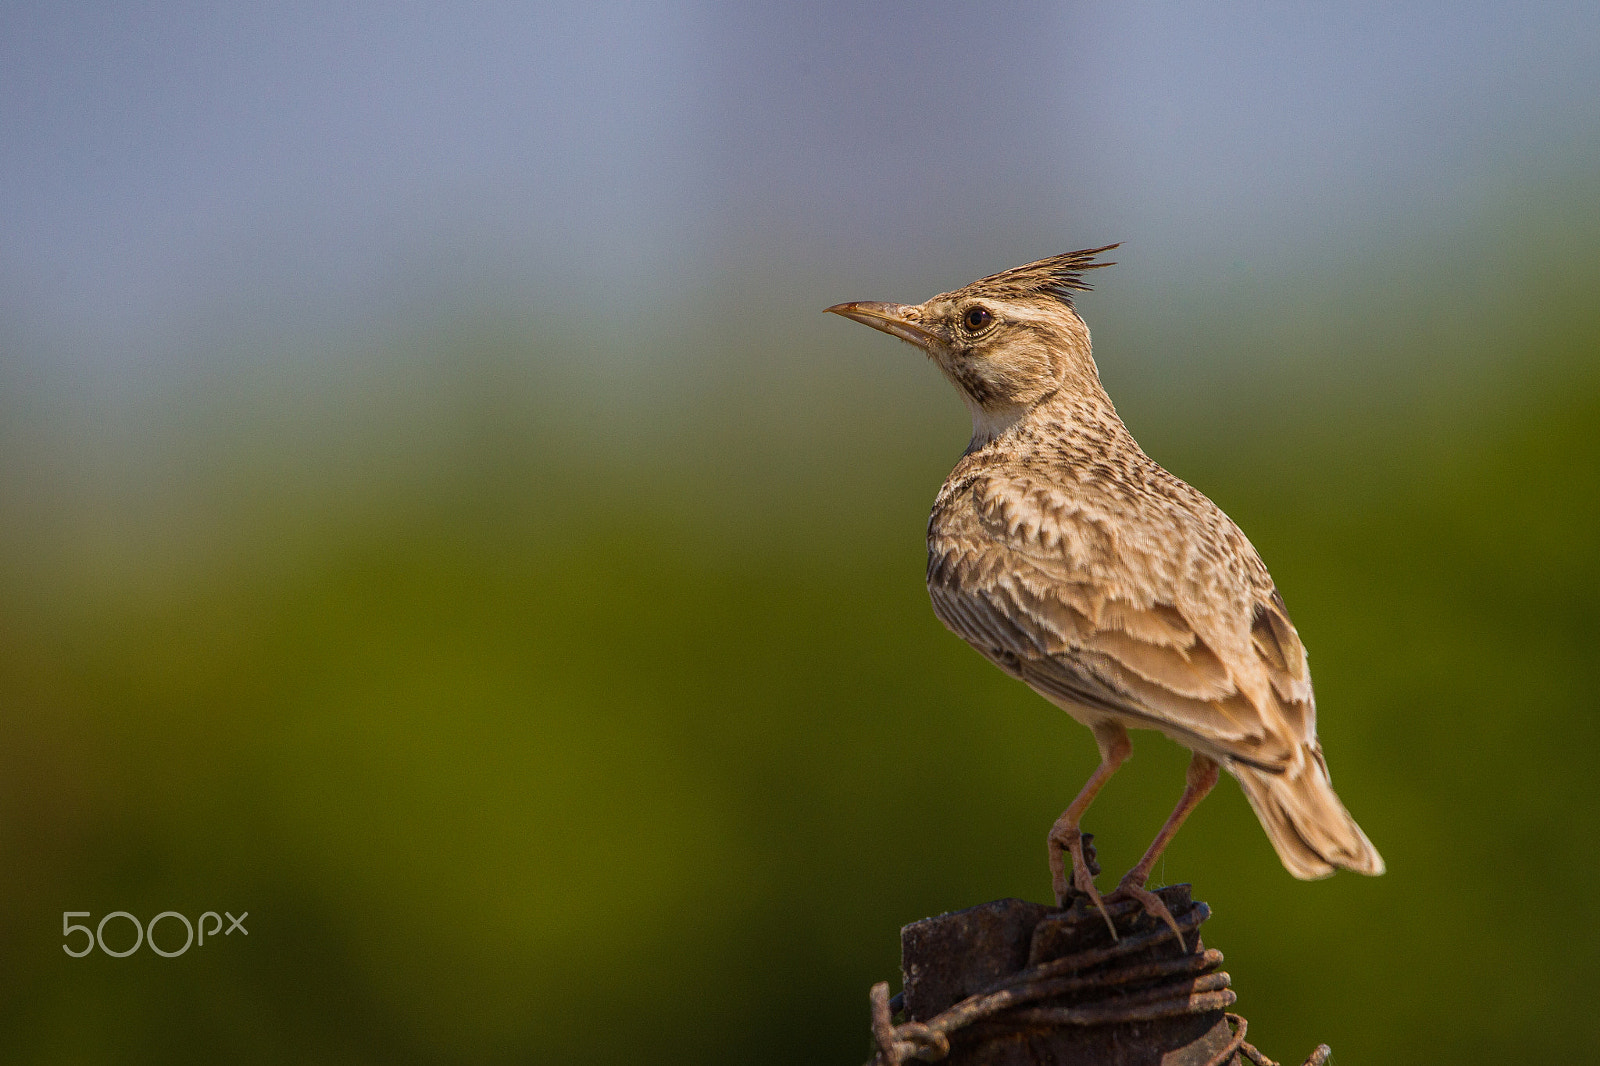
1156	1005
1013	983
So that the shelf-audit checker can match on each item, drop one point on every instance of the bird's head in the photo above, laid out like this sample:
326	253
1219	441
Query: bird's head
1008	342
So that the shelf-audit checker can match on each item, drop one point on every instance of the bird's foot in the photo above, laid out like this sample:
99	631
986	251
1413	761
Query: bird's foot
1079	846
1132	887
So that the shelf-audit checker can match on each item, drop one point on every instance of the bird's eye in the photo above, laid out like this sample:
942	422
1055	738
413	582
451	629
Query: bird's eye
976	318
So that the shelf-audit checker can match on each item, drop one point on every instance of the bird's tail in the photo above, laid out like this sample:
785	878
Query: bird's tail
1305	821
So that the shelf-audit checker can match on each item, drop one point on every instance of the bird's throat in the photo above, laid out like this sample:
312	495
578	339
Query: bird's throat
989	423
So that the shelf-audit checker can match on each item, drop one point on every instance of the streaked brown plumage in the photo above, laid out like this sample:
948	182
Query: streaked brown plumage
1072	561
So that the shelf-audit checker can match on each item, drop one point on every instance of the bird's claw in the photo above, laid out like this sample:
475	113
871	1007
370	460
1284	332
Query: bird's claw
1080	847
1132	887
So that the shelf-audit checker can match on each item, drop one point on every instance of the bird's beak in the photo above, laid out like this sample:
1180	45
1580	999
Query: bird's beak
897	320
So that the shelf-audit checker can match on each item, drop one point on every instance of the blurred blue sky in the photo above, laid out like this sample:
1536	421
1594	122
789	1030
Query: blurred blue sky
173	174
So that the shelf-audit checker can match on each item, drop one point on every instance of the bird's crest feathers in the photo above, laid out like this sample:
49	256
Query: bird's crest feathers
1058	276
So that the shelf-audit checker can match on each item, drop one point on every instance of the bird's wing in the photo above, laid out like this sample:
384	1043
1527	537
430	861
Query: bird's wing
1097	613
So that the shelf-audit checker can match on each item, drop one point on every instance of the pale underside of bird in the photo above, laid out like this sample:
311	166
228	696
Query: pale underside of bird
1075	563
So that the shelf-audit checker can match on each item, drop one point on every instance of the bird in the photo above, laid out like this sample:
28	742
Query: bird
1078	565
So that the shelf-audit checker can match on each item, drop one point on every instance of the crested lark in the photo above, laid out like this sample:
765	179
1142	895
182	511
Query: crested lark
1075	563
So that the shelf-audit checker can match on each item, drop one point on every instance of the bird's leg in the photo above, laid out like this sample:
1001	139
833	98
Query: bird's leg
1200	779
1066	838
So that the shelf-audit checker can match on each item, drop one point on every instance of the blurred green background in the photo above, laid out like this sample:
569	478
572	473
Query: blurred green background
542	659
